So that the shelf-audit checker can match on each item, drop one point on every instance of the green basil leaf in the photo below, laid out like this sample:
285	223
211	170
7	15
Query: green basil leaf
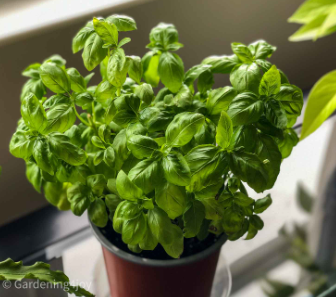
96	183
34	175
126	188
270	82
117	68
245	136
60	118
76	80
34	86
250	169
233	184
291	100
171	198
194	72
183	128
141	146
252	232
224	130
149	242
206	134
193	218
162	36
242	51
256	222
56	100
176	169
169	235
33	113
145	93
99	157
109	157
246	77
206	162
130	221
205	82
213	202
112	201
120	148
55	78
245	109
122	22
242	199
221	64
155	119
56	194
144	175
135	70
240	233
21	145
104	92
43	156
93	52
267	149
65	150
220	99
57	60
171	71
124	41
288	142
260	49
97	213
87	78
32	71
78	198
183	97
79	40
150	63
84	100
232	220
276	114
107	31
262	204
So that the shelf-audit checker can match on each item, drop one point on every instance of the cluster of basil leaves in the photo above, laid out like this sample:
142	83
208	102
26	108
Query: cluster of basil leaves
166	166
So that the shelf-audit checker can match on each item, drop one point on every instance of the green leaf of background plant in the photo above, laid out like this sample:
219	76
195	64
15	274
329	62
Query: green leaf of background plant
321	104
15	271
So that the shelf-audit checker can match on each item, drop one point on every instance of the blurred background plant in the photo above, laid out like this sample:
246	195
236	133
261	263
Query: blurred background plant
318	19
314	280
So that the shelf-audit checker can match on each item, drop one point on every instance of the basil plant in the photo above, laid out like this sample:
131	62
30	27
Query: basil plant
161	165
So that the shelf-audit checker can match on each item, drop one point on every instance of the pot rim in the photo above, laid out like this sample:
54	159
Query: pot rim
157	263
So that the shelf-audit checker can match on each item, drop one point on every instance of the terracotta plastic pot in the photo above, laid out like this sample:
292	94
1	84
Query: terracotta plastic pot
133	276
